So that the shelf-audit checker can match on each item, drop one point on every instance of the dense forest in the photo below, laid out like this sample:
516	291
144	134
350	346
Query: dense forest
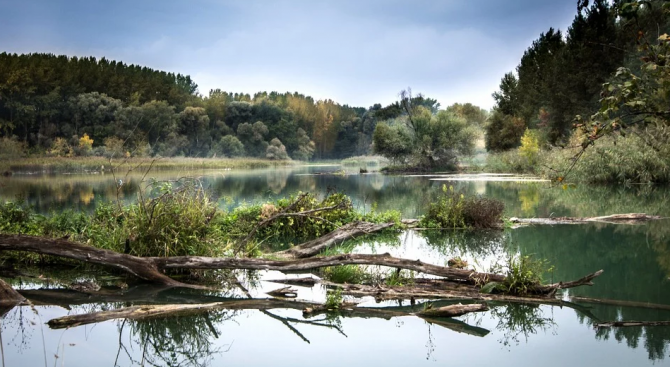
605	77
66	106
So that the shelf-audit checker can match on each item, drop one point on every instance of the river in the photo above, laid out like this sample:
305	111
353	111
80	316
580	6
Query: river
636	261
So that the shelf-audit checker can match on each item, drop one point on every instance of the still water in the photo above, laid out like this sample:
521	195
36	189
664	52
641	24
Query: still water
636	260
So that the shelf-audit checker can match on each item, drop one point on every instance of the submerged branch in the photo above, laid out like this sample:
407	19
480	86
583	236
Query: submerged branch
630	218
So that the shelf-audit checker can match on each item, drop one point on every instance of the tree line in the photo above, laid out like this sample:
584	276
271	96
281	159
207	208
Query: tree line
561	75
66	106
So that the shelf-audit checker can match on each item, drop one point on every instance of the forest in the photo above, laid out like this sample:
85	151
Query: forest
592	101
70	106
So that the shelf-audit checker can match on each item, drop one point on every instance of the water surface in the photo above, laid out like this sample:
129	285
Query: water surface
636	260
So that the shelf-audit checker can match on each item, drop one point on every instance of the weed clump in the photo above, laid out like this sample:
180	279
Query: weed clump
454	210
521	275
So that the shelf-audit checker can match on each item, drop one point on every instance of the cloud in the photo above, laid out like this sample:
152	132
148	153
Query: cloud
355	52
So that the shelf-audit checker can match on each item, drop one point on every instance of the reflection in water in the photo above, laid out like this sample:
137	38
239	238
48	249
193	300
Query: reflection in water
636	260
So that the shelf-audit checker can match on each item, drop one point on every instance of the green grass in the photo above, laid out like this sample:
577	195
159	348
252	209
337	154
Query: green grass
365	161
96	164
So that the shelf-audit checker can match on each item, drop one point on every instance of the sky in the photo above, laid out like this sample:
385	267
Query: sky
355	52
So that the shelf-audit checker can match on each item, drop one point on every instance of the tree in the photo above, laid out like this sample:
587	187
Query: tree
230	146
306	147
253	138
503	132
276	150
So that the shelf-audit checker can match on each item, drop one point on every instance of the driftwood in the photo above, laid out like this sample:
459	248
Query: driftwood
346	232
152	311
142	268
149	268
286	292
631	218
631	324
9	296
453	310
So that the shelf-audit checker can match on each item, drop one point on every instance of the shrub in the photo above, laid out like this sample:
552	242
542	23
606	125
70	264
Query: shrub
10	148
612	160
454	210
522	273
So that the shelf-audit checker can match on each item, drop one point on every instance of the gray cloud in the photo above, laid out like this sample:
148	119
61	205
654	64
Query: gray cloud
355	52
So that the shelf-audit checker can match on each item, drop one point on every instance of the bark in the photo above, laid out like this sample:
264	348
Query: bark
346	232
453	310
286	292
197	262
9	296
142	268
631	323
631	218
149	268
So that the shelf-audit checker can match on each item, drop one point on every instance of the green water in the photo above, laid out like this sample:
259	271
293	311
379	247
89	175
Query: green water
636	260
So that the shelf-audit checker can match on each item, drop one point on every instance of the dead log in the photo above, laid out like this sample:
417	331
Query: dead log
551	289
631	218
151	311
631	323
285	292
8	295
346	232
149	268
616	302
142	268
198	262
453	310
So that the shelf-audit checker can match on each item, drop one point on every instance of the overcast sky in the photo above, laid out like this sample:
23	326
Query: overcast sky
357	52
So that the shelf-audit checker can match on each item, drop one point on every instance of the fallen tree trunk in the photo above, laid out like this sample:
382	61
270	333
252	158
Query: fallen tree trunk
346	232
149	268
142	268
631	218
151	311
9	296
453	310
631	323
198	262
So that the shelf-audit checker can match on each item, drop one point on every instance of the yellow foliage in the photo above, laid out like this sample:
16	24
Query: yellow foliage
60	148
85	142
530	146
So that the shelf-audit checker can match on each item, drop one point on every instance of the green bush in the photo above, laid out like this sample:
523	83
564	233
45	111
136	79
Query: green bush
453	209
612	160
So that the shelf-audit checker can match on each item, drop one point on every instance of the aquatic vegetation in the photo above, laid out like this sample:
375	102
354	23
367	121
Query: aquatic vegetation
521	275
453	209
334	299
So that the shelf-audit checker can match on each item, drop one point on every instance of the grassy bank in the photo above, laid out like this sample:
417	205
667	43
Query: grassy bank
611	160
96	164
180	220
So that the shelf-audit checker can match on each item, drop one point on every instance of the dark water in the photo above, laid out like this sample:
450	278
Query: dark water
636	260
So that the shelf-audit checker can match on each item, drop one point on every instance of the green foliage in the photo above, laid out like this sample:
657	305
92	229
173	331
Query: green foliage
334	299
230	146
425	138
510	161
522	273
453	209
276	150
10	148
352	274
401	278
503	132
612	160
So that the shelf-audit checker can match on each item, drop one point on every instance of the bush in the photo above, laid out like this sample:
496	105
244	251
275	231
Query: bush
454	210
10	148
612	160
511	161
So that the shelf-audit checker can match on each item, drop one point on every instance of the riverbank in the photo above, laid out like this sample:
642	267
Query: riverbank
98	164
